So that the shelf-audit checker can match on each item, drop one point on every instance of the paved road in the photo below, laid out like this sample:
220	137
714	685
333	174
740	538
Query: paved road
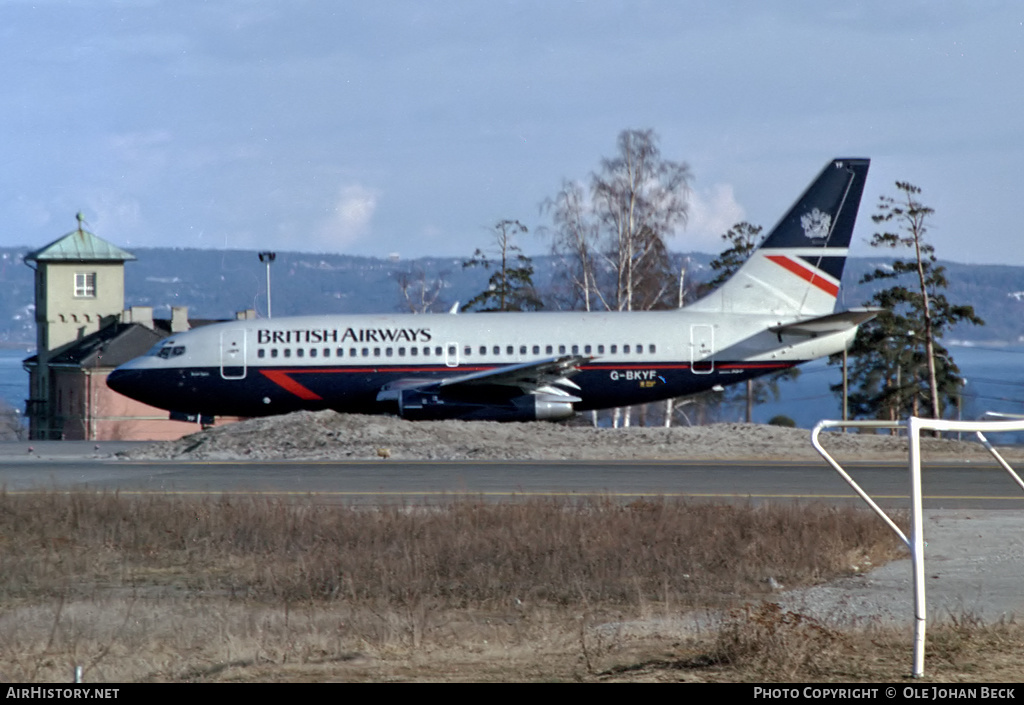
87	465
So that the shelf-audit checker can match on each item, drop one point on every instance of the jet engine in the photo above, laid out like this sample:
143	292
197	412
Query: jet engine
423	405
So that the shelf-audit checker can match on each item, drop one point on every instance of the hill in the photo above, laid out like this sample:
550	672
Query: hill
216	283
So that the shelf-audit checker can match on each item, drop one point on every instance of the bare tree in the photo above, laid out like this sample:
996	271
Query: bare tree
639	199
614	242
575	242
420	292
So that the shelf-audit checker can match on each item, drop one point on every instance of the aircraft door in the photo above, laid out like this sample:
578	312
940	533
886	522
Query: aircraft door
451	354
232	353
702	349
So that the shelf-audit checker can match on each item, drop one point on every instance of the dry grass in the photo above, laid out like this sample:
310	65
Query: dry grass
463	555
241	588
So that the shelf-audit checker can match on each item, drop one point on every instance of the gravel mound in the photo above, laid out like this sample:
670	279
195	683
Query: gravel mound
327	435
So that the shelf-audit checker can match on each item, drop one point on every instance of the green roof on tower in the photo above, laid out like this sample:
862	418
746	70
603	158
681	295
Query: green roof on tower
79	246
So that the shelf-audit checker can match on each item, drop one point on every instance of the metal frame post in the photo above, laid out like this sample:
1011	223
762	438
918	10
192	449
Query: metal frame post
914	425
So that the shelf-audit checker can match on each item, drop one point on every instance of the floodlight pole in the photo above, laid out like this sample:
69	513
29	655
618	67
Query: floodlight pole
268	257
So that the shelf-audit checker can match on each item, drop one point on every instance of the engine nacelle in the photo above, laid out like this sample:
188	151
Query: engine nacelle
417	405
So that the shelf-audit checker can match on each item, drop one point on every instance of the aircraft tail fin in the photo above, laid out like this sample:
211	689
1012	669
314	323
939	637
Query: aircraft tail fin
796	271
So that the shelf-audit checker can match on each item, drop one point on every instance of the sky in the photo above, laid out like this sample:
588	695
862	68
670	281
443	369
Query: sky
408	127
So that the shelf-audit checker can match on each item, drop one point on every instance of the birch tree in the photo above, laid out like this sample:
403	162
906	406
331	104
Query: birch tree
613	236
639	200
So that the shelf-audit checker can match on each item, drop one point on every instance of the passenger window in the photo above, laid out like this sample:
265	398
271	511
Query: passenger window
261	353
312	352
496	350
586	349
575	349
287	352
536	350
483	349
273	352
401	352
438	352
376	352
389	352
600	350
327	352
340	352
366	352
414	351
510	350
561	350
548	350
522	349
625	348
651	348
614	349
466	350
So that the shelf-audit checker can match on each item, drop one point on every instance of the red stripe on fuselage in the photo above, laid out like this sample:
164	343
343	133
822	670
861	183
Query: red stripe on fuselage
282	380
283	377
806	273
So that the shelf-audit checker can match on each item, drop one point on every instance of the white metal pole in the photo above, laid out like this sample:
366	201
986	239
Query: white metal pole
917	542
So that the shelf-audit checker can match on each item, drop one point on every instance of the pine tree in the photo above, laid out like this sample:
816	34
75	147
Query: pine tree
899	365
510	287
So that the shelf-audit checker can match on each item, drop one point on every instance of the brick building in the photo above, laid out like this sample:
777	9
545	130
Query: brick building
84	331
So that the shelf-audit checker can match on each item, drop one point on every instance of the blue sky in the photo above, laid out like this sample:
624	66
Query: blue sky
377	127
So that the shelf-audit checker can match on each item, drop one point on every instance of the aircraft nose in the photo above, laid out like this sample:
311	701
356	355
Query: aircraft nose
125	381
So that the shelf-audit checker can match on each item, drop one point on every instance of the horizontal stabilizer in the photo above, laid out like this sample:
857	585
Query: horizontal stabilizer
832	323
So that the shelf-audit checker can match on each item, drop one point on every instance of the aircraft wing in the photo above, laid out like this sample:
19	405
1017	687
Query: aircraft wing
832	323
529	377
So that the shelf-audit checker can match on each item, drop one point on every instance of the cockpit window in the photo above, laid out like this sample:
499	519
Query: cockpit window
168	351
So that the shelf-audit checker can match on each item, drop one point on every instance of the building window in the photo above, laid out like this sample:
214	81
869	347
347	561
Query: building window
85	285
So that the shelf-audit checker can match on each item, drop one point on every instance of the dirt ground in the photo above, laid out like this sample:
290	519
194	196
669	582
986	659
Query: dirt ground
327	435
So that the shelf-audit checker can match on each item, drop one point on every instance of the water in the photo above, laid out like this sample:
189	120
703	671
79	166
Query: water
995	382
994	374
13	377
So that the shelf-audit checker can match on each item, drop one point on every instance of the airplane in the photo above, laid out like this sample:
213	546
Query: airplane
775	312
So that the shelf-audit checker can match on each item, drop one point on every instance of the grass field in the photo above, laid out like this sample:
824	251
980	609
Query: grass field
163	588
